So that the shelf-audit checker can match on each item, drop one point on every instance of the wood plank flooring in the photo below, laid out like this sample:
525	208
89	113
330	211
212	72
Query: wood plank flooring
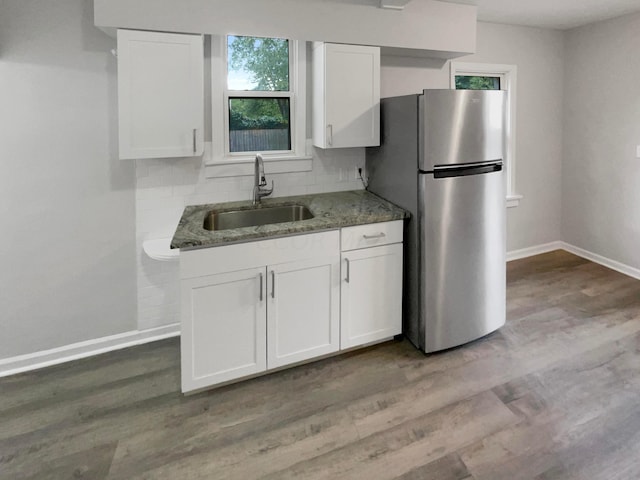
555	394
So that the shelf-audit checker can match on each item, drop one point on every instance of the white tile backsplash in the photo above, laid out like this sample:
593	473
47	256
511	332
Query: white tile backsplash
165	186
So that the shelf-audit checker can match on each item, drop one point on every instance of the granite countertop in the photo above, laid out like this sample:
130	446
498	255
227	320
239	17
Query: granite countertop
331	211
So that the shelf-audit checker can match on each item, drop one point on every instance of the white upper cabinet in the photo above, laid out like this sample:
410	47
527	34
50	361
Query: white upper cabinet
346	95
160	94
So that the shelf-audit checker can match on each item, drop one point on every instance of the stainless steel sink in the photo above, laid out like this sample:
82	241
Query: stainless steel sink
255	217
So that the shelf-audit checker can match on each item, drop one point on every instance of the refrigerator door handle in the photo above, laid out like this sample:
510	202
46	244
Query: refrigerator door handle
448	172
468	165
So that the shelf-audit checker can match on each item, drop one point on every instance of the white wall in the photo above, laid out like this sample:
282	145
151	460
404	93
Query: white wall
66	203
601	174
538	54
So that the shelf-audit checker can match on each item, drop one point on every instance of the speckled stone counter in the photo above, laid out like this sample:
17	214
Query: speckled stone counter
331	211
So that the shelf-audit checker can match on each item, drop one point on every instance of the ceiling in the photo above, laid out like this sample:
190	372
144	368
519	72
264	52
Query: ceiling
557	14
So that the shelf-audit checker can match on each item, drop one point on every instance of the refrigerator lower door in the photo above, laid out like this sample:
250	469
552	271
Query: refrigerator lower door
463	264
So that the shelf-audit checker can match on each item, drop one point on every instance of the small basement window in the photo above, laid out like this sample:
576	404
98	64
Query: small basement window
477	82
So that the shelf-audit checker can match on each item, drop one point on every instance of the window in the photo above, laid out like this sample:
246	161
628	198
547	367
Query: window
477	82
479	76
258	95
258	100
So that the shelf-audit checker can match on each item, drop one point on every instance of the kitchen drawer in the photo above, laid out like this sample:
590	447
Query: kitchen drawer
371	235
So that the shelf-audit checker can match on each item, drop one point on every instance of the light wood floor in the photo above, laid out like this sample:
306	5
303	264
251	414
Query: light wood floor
555	394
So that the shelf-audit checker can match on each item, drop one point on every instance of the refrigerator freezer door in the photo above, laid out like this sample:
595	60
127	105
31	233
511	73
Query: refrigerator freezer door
463	265
461	126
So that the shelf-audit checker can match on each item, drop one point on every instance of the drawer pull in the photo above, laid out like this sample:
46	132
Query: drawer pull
377	235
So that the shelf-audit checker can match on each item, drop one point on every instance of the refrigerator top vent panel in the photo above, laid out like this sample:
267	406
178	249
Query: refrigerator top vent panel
461	127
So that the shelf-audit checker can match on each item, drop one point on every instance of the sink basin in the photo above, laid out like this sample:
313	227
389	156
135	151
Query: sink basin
255	217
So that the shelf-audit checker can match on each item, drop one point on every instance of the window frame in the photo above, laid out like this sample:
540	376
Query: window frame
222	162
508	77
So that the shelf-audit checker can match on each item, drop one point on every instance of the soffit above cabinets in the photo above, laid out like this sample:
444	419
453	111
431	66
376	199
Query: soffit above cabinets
553	14
425	28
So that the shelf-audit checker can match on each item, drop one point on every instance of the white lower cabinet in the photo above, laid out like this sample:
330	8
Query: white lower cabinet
279	305
303	310
371	295
253	307
224	329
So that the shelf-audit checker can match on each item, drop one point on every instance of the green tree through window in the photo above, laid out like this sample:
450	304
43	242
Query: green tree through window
468	82
264	60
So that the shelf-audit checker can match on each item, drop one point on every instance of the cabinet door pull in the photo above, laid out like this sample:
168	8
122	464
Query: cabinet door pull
346	278
377	235
261	283
194	140
273	284
330	134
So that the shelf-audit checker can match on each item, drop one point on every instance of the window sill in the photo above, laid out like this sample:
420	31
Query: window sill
245	166
513	200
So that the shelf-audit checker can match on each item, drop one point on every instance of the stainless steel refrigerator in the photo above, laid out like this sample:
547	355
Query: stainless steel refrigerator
441	158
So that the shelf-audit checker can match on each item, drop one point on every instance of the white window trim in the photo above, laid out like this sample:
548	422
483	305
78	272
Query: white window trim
222	163
508	75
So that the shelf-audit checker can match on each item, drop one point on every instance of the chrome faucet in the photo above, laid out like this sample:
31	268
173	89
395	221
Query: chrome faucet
259	181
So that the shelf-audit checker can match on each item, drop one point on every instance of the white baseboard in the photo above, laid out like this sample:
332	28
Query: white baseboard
535	250
45	358
559	245
604	261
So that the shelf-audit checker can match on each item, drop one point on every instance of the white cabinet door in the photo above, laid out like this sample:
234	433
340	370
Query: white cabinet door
223	327
371	295
346	98
303	305
160	94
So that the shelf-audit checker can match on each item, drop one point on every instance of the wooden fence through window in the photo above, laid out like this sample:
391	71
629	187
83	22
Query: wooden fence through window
259	140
